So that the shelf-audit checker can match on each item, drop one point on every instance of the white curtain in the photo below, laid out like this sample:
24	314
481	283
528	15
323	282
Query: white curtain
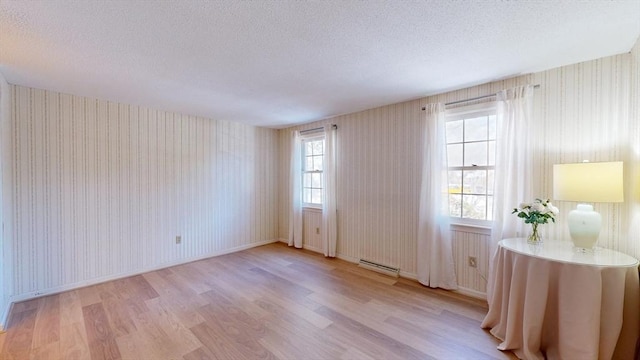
295	179
435	258
633	164
514	164
329	211
632	188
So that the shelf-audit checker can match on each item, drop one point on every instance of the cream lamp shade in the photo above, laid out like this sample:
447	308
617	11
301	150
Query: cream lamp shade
600	182
588	182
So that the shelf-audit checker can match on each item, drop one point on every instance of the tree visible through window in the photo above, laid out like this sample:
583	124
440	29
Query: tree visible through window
312	167
471	144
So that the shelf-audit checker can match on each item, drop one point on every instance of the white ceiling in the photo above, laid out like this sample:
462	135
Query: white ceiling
278	63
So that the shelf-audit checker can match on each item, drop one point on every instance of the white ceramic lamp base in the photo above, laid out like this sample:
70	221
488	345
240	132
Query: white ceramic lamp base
584	226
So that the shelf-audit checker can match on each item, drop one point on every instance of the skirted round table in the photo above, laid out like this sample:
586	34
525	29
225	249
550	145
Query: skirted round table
553	301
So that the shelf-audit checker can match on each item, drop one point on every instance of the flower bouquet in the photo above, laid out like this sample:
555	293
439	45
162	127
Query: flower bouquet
536	213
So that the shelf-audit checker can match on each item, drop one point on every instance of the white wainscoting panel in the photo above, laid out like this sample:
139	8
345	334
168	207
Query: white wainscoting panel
103	188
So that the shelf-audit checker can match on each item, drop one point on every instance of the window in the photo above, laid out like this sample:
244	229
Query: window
312	186
471	150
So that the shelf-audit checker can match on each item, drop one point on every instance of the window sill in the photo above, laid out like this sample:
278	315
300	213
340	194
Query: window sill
312	208
471	228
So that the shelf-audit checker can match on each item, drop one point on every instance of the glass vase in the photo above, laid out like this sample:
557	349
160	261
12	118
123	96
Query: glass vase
535	237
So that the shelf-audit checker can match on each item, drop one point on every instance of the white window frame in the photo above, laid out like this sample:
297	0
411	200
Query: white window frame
467	112
316	136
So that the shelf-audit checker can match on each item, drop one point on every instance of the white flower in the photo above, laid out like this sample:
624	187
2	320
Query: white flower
555	210
537	207
524	205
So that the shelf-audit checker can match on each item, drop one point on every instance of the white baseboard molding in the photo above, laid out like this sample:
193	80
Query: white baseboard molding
304	246
95	281
471	293
408	275
4	317
403	274
348	258
314	249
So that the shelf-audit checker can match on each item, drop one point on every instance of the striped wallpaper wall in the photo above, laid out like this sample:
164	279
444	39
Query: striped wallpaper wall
584	114
102	189
6	210
377	182
582	111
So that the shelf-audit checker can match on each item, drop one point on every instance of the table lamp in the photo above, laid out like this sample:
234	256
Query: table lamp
587	183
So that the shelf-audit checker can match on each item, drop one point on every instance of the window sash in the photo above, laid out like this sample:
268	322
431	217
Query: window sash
457	197
311	191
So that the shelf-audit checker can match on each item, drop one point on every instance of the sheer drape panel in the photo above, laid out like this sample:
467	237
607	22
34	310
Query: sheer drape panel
514	163
434	256
632	167
632	183
329	203
295	178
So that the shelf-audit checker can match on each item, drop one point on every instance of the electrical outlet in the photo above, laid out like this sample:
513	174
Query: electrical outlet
178	239
317	230
472	261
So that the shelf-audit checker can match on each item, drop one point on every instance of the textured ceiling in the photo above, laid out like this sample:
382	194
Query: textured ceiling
277	63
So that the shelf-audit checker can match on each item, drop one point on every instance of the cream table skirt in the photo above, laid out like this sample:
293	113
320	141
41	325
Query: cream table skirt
556	303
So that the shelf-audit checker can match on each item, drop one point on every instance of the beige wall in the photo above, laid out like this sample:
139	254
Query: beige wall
584	111
102	189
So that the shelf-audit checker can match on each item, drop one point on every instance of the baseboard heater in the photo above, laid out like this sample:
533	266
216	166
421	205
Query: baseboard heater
384	269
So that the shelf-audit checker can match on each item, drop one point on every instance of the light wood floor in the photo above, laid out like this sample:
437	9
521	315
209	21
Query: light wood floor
270	302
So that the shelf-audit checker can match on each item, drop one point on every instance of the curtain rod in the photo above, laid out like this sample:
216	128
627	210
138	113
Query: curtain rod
317	129
475	98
